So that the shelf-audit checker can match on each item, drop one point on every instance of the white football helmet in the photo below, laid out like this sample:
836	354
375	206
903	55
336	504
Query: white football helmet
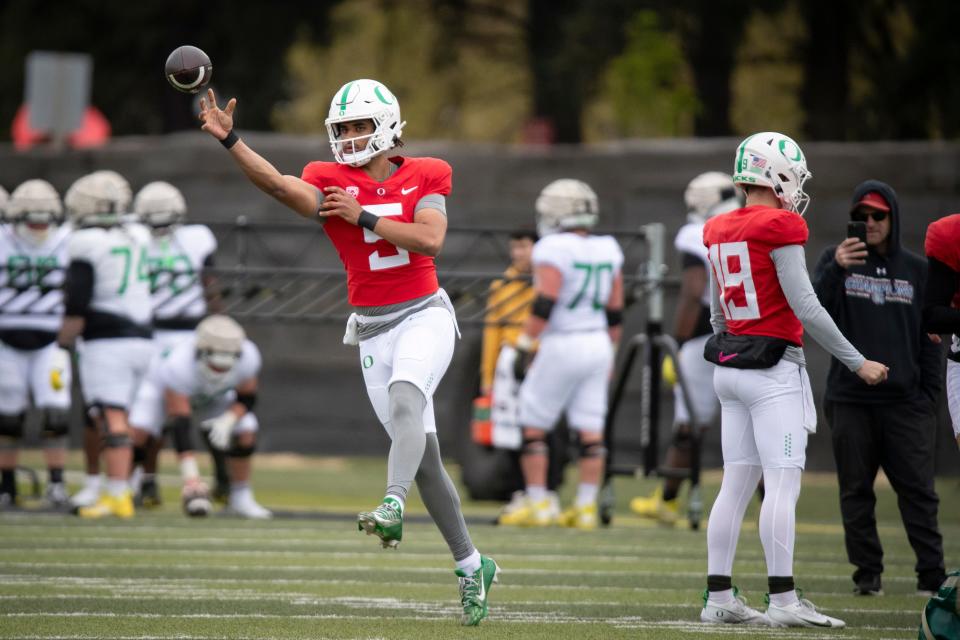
219	345
364	100
160	206
705	192
566	204
98	199
33	207
773	160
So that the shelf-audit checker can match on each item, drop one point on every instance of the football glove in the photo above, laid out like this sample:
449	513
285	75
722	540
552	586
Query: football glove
220	429
59	368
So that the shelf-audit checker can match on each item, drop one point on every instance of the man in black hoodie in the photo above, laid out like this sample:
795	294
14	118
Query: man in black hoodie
874	293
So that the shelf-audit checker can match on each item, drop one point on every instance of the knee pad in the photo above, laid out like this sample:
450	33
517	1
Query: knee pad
56	423
11	426
181	431
536	445
116	440
240	451
592	450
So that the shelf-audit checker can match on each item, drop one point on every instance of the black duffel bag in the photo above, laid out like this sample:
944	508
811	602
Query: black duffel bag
744	352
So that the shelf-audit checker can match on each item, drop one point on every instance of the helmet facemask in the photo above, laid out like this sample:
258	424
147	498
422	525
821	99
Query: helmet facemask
216	365
219	347
34	209
363	100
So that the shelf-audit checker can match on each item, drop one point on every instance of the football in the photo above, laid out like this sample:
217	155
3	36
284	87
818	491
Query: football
188	69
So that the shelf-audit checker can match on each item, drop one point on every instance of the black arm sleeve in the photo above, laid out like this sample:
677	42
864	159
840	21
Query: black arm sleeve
78	288
942	284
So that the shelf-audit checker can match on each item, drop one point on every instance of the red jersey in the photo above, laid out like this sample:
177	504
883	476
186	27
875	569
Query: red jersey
943	243
739	245
378	273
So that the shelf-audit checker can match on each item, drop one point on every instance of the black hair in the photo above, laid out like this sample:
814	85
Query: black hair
525	233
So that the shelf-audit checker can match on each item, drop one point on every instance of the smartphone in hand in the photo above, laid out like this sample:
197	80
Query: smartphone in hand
857	229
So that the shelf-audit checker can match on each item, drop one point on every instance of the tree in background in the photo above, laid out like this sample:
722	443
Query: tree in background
648	87
533	70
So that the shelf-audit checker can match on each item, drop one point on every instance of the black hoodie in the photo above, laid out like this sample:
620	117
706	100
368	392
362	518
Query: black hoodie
878	307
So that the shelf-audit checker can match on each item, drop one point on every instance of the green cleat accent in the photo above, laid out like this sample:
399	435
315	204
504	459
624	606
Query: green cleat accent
474	590
385	522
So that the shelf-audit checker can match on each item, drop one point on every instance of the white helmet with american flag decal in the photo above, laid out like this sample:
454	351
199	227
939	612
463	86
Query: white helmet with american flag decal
773	160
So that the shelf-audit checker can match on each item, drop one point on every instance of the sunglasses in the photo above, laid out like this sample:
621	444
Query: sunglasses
861	216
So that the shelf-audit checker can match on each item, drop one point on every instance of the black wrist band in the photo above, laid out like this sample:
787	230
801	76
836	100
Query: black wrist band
367	220
231	139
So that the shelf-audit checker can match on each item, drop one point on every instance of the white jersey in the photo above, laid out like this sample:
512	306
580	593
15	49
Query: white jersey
588	265
31	280
690	240
176	260
178	371
121	280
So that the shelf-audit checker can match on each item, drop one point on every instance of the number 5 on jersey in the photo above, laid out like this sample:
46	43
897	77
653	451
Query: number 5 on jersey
378	262
731	265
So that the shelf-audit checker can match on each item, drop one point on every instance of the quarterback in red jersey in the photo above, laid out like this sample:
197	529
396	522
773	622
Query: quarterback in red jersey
941	301
761	302
386	216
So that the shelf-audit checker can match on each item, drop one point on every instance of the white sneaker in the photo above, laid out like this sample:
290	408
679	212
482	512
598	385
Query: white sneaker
734	612
86	497
56	495
801	613
247	507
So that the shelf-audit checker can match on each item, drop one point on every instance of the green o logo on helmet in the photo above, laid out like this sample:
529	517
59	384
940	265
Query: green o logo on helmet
797	154
380	96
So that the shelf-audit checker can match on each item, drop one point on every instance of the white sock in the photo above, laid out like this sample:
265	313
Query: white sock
778	519
721	597
240	490
117	488
726	516
783	599
469	564
587	494
400	501
92	481
189	469
537	494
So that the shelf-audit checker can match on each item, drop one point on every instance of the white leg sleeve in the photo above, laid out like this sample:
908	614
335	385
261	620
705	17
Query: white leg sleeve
778	518
723	528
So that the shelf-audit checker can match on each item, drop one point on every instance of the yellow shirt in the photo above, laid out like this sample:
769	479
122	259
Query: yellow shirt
508	306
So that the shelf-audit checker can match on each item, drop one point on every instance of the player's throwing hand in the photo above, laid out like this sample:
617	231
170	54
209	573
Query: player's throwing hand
873	372
216	121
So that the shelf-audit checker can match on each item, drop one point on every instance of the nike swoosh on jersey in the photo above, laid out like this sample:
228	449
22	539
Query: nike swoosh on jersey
723	357
406	191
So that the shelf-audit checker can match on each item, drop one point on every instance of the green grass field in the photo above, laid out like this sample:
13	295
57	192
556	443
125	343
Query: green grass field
164	576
